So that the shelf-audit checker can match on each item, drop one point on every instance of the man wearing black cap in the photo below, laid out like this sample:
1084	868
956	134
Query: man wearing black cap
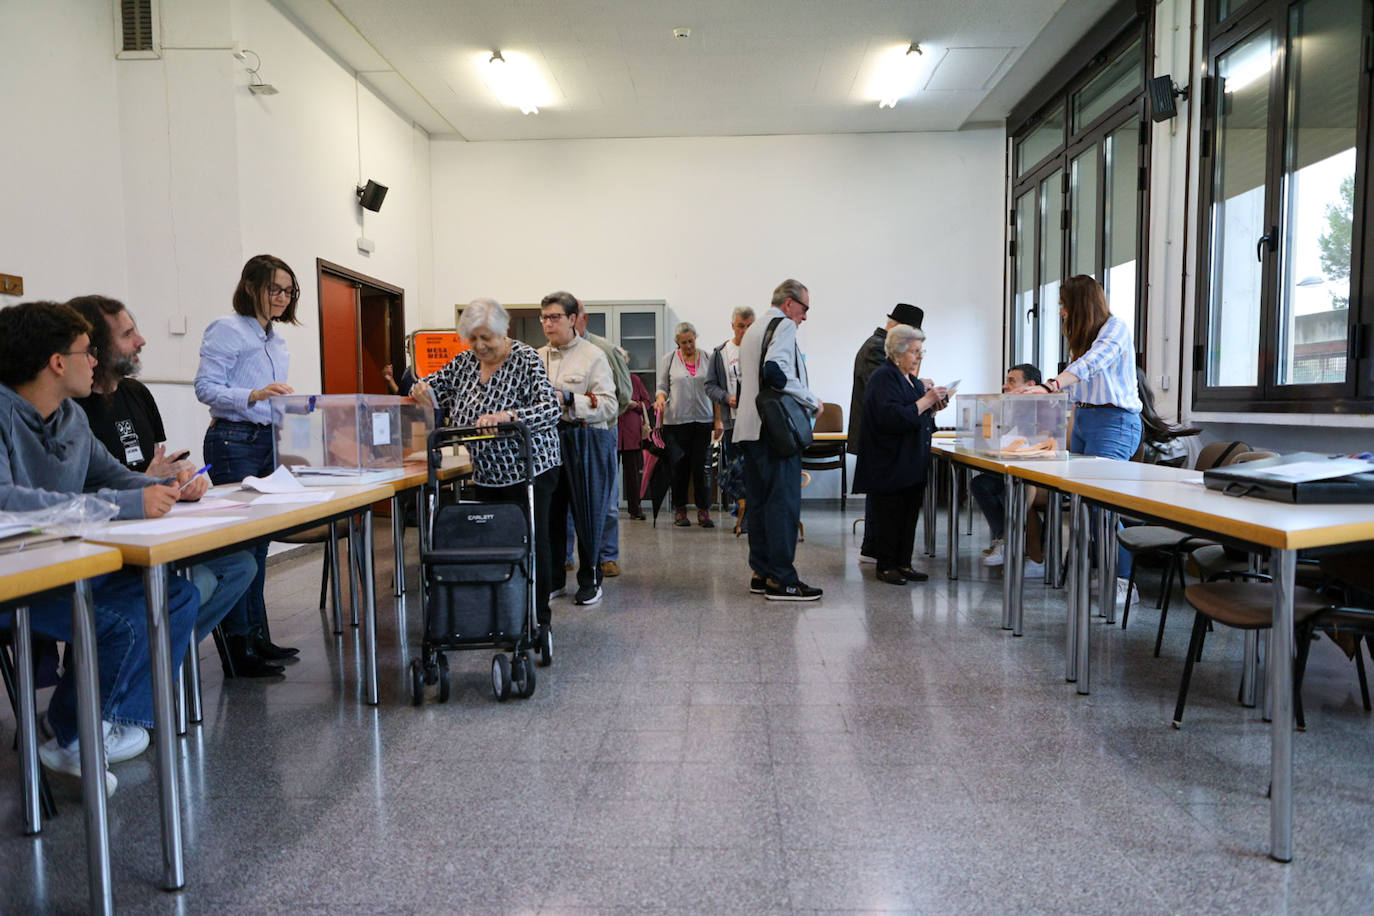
869	358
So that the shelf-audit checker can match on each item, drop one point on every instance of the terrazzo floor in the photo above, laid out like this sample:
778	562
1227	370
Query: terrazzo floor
697	749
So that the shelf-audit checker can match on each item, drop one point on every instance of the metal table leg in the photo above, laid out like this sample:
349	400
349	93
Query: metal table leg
968	496
1075	555
1283	564
952	521
28	720
1109	563
160	644
370	613
179	698
1014	553
1083	631
398	532
92	742
333	548
928	511
1104	586
1054	535
354	567
1008	502
190	685
1251	668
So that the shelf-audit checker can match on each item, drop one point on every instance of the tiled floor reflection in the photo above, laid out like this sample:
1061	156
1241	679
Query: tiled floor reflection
699	750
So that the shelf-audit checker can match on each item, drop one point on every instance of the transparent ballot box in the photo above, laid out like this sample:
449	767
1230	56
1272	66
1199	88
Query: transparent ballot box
348	438
1007	426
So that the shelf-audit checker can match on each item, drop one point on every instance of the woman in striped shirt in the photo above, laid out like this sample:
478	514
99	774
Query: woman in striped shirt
1100	380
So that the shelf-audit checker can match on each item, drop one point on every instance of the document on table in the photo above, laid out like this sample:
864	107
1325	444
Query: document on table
203	505
167	525
308	496
279	481
1304	471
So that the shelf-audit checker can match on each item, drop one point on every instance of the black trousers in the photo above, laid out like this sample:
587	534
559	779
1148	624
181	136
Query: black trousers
694	440
892	526
544	485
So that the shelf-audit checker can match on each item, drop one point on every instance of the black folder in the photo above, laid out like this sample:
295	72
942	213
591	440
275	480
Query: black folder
1253	479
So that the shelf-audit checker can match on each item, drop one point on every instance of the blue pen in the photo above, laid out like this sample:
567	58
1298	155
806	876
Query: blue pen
194	476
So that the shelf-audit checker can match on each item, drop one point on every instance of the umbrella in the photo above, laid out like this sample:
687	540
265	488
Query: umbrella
588	497
657	478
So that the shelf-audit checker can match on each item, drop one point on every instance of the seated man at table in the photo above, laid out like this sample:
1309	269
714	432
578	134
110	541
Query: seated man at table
988	491
124	416
48	456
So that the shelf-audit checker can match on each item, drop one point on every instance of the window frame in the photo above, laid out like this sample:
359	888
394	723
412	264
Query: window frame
1356	393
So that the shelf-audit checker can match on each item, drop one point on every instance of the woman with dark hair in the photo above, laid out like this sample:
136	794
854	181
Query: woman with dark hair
1100	380
243	362
1158	434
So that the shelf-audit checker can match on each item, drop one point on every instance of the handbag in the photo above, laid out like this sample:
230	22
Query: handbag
786	425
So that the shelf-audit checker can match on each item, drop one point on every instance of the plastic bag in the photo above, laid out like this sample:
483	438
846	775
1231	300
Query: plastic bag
81	516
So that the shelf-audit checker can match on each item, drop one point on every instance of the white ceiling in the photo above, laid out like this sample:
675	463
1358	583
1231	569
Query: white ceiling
615	69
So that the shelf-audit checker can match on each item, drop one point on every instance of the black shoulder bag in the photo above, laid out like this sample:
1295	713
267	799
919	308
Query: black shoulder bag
786	426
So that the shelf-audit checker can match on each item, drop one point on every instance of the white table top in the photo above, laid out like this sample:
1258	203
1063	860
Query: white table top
53	564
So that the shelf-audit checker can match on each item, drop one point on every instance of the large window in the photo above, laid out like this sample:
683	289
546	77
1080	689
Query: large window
1285	143
1078	195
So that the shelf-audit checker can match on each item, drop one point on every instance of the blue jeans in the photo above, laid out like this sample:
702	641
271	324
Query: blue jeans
772	488
221	582
120	609
1107	432
989	492
238	450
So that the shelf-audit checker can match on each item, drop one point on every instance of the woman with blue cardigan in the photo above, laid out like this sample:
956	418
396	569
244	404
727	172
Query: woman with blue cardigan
894	452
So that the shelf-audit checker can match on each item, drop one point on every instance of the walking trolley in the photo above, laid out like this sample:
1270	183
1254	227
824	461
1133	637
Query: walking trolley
477	571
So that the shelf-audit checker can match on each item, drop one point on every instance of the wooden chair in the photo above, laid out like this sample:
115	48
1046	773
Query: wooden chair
829	456
1350	620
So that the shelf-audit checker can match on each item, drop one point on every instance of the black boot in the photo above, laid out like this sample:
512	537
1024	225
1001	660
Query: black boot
263	645
247	662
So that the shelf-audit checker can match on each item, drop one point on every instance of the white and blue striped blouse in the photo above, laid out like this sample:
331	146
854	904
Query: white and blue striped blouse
1106	372
237	356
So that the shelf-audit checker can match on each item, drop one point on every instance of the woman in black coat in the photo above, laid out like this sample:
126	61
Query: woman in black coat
894	452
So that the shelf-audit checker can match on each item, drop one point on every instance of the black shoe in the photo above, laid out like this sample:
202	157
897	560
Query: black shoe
891	576
272	652
912	575
637	516
758	585
247	662
590	594
797	591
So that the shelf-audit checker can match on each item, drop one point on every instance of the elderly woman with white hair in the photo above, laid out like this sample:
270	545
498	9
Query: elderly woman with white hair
688	418
500	380
894	452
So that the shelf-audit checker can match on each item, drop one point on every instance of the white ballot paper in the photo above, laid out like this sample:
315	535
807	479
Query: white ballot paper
204	505
279	481
952	387
1322	469
308	496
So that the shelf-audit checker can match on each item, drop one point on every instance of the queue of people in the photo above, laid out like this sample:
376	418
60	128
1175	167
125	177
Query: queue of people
77	421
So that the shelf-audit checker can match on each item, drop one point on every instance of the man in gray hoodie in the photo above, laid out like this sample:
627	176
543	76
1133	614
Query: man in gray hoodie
47	456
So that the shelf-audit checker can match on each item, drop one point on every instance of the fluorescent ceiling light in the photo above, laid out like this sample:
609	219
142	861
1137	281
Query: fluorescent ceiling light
515	82
1243	70
897	75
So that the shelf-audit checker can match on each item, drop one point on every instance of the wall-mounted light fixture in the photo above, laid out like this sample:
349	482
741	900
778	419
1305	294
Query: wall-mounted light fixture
255	82
514	82
898	78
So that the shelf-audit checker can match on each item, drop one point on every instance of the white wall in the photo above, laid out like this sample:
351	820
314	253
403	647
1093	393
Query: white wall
864	220
152	180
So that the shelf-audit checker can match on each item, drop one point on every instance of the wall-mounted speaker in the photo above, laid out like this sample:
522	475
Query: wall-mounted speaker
371	195
1162	95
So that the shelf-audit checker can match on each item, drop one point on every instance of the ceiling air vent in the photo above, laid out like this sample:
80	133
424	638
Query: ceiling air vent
136	28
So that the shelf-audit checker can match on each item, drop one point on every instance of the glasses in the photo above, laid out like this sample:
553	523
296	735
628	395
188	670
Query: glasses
552	317
805	306
291	292
92	352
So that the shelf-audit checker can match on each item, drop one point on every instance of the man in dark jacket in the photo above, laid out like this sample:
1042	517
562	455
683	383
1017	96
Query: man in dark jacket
869	358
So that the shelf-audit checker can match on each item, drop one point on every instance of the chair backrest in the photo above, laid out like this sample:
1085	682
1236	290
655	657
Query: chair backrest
830	419
1219	454
1253	456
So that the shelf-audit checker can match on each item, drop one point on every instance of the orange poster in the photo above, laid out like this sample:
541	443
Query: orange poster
431	350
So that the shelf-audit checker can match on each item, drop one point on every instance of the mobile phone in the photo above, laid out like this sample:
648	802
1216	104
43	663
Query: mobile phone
181	456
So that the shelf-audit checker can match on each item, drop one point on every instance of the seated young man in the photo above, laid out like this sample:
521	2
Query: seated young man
47	456
988	492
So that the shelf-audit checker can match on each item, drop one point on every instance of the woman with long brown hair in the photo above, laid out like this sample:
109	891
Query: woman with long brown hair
1100	380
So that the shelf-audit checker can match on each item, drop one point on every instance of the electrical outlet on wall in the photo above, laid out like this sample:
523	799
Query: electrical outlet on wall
1164	382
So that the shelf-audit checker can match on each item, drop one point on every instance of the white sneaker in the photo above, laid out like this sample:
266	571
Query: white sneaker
124	742
66	761
865	558
1034	570
1121	585
993	555
558	592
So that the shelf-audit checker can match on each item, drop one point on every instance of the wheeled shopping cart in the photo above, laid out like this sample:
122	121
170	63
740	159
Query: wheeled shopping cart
477	569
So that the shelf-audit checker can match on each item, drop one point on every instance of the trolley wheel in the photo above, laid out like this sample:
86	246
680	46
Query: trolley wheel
522	675
544	645
443	678
417	682
500	677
